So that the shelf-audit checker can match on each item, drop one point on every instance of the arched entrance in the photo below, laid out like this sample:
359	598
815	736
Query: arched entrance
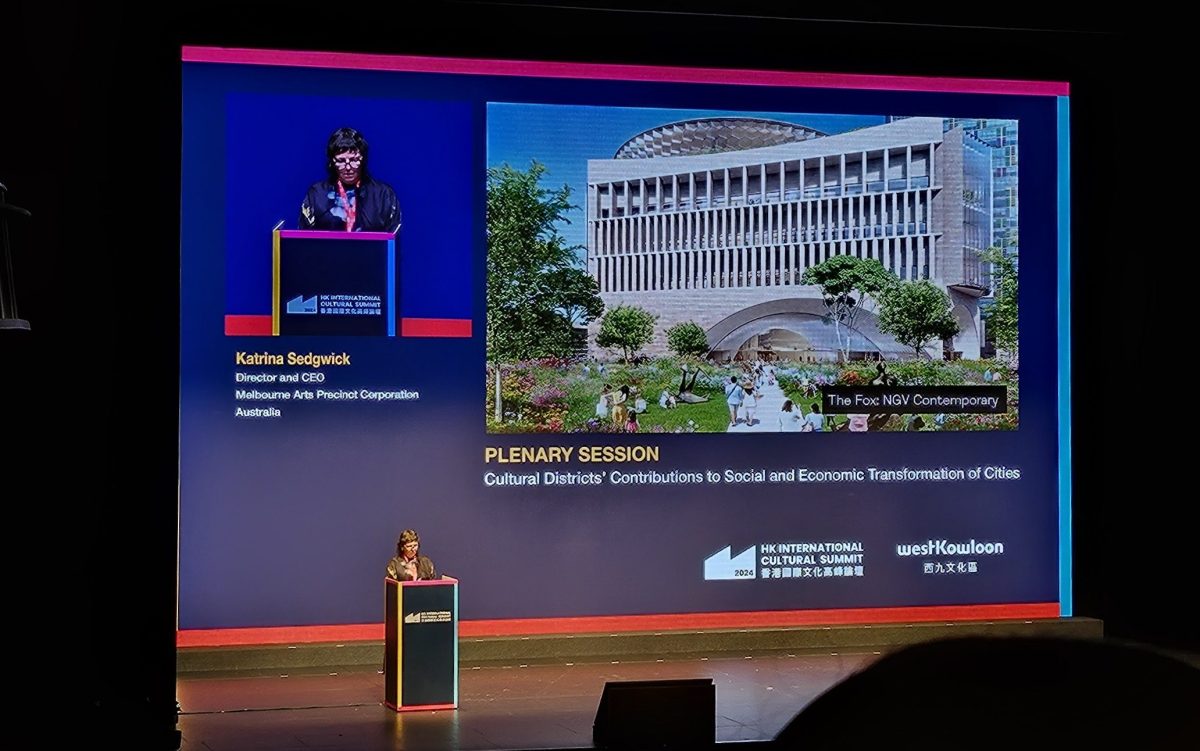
797	329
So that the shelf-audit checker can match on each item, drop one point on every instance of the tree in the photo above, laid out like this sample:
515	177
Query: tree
915	312
1001	315
626	327
537	290
687	339
844	282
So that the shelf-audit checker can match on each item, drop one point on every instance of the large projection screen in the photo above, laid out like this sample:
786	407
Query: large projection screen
642	344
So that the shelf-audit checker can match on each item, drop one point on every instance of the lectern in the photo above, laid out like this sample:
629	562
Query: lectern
421	644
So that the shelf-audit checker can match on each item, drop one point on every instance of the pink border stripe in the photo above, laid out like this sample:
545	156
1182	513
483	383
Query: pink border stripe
761	619
314	234
670	74
448	327
247	325
231	637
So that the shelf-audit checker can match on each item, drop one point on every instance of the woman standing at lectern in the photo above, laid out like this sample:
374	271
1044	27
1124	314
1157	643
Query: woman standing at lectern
349	199
408	565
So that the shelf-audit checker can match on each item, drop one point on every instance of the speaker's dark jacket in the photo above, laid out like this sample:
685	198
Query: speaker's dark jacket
397	570
377	209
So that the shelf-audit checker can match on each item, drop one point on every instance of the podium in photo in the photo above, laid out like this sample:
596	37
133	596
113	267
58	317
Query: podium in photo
333	283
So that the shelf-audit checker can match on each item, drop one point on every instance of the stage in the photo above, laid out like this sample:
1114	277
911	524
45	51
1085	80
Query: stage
534	692
510	707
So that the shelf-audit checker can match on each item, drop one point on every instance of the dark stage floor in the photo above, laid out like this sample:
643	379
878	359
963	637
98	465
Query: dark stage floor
517	707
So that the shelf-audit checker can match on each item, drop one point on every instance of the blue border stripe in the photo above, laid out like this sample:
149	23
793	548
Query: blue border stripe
1065	595
391	287
456	645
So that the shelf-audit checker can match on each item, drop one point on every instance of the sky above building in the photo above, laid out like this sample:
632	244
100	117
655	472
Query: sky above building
564	137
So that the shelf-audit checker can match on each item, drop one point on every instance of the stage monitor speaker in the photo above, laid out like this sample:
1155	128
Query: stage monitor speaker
667	714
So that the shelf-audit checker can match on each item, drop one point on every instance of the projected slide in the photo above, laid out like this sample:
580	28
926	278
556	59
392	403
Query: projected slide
517	308
745	272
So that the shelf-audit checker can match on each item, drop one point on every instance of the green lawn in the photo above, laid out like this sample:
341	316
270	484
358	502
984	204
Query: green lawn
648	380
711	416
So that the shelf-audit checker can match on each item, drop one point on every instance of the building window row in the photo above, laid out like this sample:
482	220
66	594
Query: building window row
888	215
901	169
909	258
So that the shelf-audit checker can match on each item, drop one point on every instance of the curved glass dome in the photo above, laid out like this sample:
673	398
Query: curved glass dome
712	135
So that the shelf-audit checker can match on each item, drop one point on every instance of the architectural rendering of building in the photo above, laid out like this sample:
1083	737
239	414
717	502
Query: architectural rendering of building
715	221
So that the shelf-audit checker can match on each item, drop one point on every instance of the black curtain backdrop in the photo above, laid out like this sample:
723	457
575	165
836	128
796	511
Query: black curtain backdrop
89	112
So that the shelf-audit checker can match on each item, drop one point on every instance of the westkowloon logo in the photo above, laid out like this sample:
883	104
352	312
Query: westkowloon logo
945	547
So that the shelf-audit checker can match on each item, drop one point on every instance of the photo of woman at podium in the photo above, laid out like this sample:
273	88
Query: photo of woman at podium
349	199
407	565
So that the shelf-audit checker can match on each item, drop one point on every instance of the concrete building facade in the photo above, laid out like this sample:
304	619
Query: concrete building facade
715	221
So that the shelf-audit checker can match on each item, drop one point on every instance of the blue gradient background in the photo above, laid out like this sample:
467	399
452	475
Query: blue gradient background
290	521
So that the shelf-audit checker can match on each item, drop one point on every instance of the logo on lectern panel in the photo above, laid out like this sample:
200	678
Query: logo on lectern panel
301	305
